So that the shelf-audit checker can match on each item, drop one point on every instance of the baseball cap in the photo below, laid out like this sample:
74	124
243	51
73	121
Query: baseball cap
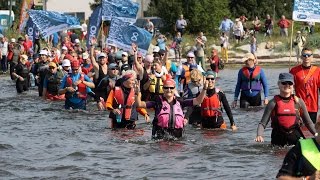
102	55
156	49
112	65
13	40
124	53
210	72
85	55
77	41
149	58
64	48
66	62
44	52
190	54
52	64
284	77
75	64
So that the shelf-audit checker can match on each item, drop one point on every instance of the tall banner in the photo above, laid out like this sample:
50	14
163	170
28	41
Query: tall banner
94	24
31	30
25	6
49	22
122	34
125	9
306	10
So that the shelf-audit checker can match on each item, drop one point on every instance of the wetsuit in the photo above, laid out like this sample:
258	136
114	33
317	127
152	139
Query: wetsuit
23	71
282	137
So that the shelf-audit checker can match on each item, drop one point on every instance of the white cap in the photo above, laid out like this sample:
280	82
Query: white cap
64	48
77	41
85	55
125	53
13	40
66	62
190	54
156	49
44	52
102	55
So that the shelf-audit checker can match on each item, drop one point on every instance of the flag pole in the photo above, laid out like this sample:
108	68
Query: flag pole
291	40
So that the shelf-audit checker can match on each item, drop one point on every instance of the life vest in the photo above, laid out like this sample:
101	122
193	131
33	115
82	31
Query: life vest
285	116
156	85
120	100
88	69
24	71
82	88
170	116
251	81
187	73
310	152
54	81
211	106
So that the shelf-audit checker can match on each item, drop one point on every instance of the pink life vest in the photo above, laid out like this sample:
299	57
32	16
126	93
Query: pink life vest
167	115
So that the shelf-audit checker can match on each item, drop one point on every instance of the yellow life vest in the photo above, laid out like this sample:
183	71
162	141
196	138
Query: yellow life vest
153	85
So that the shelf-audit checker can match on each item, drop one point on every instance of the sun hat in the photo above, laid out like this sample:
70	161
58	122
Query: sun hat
66	62
248	56
52	64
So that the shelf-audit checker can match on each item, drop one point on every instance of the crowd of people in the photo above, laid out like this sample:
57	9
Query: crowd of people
126	83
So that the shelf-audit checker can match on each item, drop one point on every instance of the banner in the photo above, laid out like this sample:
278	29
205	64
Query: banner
25	6
122	34
94	24
124	9
306	10
31	30
49	22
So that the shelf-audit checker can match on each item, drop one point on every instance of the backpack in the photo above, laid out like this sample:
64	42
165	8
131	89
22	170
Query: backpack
220	64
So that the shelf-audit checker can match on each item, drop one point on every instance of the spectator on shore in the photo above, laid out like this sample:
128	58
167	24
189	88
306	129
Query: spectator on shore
226	25
200	46
238	30
299	42
256	24
181	25
284	24
268	25
224	43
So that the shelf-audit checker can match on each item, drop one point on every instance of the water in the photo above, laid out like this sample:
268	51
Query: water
39	140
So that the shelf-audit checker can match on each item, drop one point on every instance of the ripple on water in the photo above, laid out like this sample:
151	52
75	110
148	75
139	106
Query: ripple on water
5	146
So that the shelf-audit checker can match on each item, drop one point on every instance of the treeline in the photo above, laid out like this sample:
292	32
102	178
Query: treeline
206	15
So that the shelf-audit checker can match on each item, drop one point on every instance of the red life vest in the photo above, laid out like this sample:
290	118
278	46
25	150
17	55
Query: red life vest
88	69
119	98
211	106
82	88
285	114
255	72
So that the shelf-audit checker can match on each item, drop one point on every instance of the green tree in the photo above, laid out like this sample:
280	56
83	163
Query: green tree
95	4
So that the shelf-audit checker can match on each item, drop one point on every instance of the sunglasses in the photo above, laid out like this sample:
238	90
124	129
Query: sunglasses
287	83
190	57
51	67
210	79
168	87
307	55
113	69
161	54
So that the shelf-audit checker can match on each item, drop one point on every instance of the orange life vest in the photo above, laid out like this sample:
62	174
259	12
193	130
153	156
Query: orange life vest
119	98
211	106
284	116
82	88
187	73
255	72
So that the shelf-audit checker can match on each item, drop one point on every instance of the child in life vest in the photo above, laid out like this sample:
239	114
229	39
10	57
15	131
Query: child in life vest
285	111
211	107
169	118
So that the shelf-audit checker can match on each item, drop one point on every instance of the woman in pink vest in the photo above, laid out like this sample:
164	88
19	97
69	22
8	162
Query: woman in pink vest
169	118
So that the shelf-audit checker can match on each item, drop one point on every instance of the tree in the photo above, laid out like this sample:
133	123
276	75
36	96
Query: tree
95	4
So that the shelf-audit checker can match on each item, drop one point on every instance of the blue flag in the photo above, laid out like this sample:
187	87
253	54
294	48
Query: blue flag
122	34
31	30
124	9
94	24
49	22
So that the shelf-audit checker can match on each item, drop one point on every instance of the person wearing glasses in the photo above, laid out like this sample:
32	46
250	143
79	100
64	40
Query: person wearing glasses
307	82
251	79
285	111
211	106
169	118
52	83
75	86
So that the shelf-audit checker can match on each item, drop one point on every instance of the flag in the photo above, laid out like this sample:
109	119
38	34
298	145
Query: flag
124	9
26	5
94	24
122	34
306	10
31	30
49	22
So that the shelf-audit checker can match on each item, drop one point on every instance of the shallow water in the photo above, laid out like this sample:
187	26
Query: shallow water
40	140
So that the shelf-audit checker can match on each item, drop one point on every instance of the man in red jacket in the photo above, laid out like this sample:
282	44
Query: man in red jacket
284	24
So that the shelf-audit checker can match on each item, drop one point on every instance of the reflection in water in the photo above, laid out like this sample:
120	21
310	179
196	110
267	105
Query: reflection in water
40	140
